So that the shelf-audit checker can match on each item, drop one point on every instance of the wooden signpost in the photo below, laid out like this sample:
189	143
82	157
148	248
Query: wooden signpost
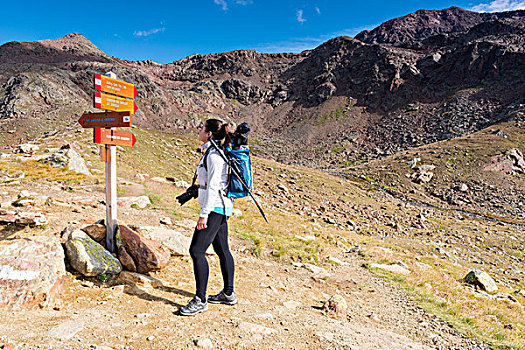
114	103
114	137
114	86
121	107
106	120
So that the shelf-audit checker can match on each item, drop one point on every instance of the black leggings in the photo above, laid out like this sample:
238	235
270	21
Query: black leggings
215	233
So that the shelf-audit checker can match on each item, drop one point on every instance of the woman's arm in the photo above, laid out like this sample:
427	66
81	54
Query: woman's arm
215	165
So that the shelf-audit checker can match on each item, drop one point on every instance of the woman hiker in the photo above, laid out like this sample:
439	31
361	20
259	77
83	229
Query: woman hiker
212	225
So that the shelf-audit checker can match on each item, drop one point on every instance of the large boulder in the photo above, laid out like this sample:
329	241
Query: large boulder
148	254
88	257
68	157
482	280
95	231
31	272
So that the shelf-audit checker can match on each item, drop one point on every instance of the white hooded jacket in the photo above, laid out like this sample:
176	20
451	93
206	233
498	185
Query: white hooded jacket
213	183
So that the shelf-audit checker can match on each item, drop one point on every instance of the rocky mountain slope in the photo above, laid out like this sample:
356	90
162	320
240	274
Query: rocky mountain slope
428	76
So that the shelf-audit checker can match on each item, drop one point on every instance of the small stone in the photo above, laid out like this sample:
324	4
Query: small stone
87	284
23	194
236	212
282	188
266	316
336	261
374	317
66	330
336	306
291	304
182	184
255	328
166	221
204	343
140	177
463	187
150	338
160	179
139	279
318	272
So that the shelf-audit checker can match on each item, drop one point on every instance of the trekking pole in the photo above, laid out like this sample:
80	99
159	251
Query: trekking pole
236	173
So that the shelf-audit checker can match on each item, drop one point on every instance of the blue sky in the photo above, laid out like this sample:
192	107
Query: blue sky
165	31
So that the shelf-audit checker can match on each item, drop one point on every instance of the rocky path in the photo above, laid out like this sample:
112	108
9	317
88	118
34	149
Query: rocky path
280	303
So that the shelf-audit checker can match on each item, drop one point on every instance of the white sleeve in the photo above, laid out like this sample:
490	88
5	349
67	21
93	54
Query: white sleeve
212	193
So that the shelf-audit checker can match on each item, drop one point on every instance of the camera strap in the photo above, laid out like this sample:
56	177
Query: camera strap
203	159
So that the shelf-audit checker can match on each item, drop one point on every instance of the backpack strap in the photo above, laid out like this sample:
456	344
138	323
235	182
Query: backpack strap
204	159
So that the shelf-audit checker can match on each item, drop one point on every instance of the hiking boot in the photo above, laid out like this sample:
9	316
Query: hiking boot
222	298
194	307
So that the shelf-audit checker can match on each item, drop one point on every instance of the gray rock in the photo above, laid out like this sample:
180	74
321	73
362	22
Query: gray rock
130	202
160	179
28	218
166	221
27	148
391	268
68	157
413	163
255	328
204	343
182	184
66	330
95	231
23	194
318	272
482	280
140	177
336	306
31	272
88	257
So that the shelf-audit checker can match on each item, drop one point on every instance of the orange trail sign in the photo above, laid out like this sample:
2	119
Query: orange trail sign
105	120
115	86
113	137
114	103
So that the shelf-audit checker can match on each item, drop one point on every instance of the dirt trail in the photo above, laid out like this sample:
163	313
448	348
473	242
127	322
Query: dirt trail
286	299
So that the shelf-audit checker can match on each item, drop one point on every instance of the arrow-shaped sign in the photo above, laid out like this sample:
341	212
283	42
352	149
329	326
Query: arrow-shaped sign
113	137
114	103
114	86
105	120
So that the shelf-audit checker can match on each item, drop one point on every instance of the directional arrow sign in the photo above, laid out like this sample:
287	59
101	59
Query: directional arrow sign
105	120
113	137
114	103
115	86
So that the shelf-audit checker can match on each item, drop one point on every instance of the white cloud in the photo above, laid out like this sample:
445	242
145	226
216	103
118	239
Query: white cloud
317	10
148	32
300	16
500	6
222	3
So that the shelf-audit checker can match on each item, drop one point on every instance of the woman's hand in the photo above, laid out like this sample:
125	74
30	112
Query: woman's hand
201	223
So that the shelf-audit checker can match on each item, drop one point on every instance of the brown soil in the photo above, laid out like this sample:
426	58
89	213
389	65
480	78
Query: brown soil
278	295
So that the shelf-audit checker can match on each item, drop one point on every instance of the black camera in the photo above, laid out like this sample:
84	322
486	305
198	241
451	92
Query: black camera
191	192
240	136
